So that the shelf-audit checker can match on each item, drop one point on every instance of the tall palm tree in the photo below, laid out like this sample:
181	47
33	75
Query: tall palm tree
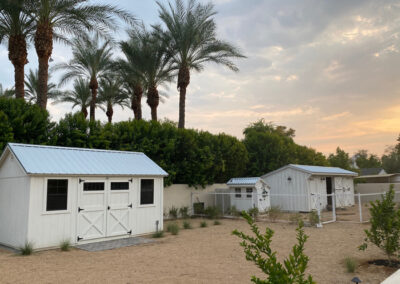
16	27
153	65
55	19
80	96
6	93
91	60
32	87
111	94
191	32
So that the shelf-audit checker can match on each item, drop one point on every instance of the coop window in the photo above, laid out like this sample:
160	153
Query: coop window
57	194
120	186
249	192
146	191
93	186
238	192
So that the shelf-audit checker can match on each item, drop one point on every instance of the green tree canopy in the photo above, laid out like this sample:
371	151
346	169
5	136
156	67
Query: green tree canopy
366	160
340	159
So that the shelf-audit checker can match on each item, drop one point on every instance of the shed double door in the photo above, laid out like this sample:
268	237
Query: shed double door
103	209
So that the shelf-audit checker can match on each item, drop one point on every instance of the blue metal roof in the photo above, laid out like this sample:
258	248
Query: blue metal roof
243	181
323	170
37	159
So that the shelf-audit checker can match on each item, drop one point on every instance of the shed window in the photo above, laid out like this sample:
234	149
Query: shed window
238	192
93	186
249	192
146	191
120	186
57	194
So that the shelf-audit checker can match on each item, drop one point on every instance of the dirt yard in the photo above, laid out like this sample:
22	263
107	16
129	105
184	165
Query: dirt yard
199	255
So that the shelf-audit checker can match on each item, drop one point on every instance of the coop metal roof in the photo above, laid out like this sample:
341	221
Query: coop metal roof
243	181
52	160
317	170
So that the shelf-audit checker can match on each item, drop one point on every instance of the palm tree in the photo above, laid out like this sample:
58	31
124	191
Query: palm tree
16	26
111	94
80	96
32	87
191	32
91	60
152	64
6	93
54	19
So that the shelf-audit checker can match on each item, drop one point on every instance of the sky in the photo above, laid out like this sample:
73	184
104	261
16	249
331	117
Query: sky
328	69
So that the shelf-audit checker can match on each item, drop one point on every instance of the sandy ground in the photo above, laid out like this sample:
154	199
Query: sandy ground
199	255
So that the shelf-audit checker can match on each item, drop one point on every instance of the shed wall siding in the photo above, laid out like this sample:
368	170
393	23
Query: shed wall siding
14	204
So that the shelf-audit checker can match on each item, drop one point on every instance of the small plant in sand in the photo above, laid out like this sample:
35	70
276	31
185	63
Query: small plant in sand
351	264
253	212
257	248
158	234
27	249
65	245
184	212
233	211
187	225
274	212
173	228
212	212
216	223
385	226
295	218
313	218
173	212
203	224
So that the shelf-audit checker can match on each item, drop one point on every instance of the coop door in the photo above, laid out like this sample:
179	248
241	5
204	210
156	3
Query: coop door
118	209
91	223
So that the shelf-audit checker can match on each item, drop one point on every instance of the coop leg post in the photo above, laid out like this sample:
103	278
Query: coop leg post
334	206
191	203
319	225
360	207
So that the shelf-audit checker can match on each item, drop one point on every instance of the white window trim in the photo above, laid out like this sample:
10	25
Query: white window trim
252	191
44	207
241	193
140	194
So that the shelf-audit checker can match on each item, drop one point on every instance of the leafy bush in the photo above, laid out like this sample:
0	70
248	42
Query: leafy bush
173	228
184	212
65	245
198	208
158	234
274	212
212	212
233	211
187	225
253	212
295	218
216	222
350	264
313	218
27	249
203	224
258	250
385	225
173	212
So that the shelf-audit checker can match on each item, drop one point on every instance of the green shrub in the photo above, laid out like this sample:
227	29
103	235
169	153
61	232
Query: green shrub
313	218
187	225
184	212
198	208
274	212
65	245
295	218
233	211
173	228
350	264
258	250
253	212
173	212
212	212
216	222
385	226
158	234
203	224
27	249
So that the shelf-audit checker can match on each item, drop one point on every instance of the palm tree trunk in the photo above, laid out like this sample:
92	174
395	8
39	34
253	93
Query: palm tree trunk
18	54
109	112
84	111
153	99
136	102
93	85
183	82
44	48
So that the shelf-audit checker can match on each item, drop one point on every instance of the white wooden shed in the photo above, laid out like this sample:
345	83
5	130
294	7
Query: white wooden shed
52	194
248	192
302	188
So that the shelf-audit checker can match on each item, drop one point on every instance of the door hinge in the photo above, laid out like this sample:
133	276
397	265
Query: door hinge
130	205
80	209
79	238
130	180
130	232
81	180
108	207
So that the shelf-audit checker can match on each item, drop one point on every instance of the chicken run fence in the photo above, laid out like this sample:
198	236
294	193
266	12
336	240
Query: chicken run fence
335	207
